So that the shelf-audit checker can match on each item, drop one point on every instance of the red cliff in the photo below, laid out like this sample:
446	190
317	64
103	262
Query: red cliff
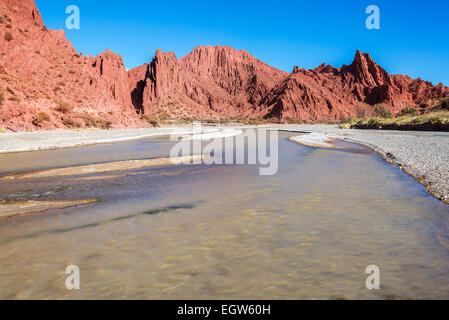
328	93
46	84
213	82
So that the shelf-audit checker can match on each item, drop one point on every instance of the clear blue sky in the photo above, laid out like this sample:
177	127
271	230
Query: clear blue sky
413	38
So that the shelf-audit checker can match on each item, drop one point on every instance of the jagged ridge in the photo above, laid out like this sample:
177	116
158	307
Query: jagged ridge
40	70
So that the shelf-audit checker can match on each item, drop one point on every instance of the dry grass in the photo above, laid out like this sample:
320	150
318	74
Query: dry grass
40	118
152	119
409	111
96	122
63	107
435	117
434	120
70	123
9	36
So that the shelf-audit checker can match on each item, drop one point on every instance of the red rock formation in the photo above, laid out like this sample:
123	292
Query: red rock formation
213	82
46	84
328	93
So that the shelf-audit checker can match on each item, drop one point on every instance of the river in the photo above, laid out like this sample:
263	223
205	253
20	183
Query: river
224	231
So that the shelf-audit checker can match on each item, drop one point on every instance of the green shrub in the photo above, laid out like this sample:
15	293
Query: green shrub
151	119
419	120
409	111
8	36
40	118
436	119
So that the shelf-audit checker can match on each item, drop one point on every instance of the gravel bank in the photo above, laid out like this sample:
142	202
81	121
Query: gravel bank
42	140
55	139
424	155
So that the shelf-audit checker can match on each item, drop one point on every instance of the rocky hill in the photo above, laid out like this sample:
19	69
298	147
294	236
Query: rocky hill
46	84
328	93
212	82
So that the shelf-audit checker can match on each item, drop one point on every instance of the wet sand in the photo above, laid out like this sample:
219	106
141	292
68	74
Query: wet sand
12	209
105	167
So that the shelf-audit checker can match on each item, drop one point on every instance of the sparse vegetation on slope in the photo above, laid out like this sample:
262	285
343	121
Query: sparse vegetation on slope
63	107
432	116
151	119
96	122
40	118
9	36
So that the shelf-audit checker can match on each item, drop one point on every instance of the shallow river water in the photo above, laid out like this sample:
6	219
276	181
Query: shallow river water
221	232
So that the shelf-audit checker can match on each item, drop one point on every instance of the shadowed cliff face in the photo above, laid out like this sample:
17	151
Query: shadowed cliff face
223	82
209	82
46	84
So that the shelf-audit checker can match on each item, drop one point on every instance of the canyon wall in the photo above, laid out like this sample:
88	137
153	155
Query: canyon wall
213	82
46	84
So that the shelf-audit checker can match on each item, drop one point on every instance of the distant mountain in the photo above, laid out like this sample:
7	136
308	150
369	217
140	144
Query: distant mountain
46	84
328	93
211	81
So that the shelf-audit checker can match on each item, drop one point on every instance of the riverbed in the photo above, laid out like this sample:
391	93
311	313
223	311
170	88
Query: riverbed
223	231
